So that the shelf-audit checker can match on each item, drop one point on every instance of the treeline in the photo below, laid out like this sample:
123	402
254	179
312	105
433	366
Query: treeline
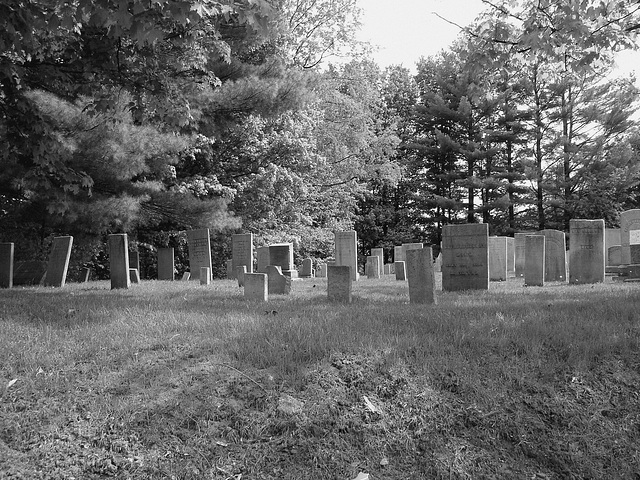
154	118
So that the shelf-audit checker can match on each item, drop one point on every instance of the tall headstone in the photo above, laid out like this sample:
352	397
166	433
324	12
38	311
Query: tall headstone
205	276
262	254
119	261
255	287
612	237
379	252
397	254
534	270
6	264
401	273
555	255
134	260
587	263
58	264
281	255
518	239
410	246
421	276
242	251
240	270
199	251
346	245
511	256
498	259
629	233
229	269
465	257
373	267
278	284
307	268
166	263
339	283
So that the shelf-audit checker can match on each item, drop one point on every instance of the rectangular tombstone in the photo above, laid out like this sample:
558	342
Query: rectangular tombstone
346	245
465	257
401	273
379	252
186	276
134	275
421	276
242	251
612	237
255	287
134	260
409	246
6	264
373	267
339	283
518	239
614	255
119	261
240	272
634	249
281	255
555	251
629	233
58	264
229	268
387	269
166	264
511	256
498	259
535	257
205	276
199	251
85	274
397	254
278	284
587	263
262	254
307	268
322	270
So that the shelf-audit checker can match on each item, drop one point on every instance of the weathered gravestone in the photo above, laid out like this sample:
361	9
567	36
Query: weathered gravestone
409	246
535	259
6	264
437	265
555	253
421	276
242	251
379	252
281	255
255	287
614	255
401	273
229	268
240	272
612	237
278	283
134	260
85	274
119	261
186	276
166	264
199	251
134	275
205	276
511	256
498	259
519	239
307	268
30	272
387	269
465	257
629	233
397	254
322	270
373	267
339	283
634	250
346	246
262	256
58	264
587	264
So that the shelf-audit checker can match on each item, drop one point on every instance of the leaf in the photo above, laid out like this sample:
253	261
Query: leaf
11	383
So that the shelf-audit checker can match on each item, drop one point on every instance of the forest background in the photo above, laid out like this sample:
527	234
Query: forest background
269	116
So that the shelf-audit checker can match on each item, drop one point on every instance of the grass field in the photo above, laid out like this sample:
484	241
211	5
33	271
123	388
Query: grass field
177	380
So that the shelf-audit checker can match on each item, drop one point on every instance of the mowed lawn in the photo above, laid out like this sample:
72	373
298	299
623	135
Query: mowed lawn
177	380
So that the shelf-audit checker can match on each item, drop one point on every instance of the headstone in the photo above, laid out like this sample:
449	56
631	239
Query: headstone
205	276
166	264
58	264
278	283
421	276
242	251
387	269
409	246
373	267
614	255
346	245
262	254
518	239
612	237
307	268
119	261
555	252
629	233
199	251
498	259
339	283
186	276
587	264
255	287
397	254
465	257
634	249
134	275
134	260
240	272
6	264
229	267
511	256
281	255
379	252
437	266
29	273
322	270
534	271
401	273
85	274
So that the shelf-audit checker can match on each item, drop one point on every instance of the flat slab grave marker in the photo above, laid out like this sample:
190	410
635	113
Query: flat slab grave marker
6	264
629	233
199	251
421	276
555	255
205	276
518	239
242	251
278	283
373	267
58	264
587	258
119	261
166	263
401	273
535	258
498	259
465	257
346	246
339	283
255	287
379	252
